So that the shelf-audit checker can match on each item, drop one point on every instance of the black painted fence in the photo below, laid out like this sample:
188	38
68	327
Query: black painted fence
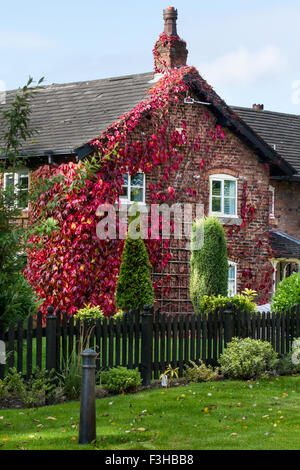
147	340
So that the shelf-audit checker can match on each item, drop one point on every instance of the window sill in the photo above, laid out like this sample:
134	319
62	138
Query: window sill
233	220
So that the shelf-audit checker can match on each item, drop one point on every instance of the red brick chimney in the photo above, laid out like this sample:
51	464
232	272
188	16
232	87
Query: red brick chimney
258	107
169	51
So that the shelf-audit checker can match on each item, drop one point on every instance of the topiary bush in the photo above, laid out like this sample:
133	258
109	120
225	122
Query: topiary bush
209	263
287	294
121	380
134	286
247	358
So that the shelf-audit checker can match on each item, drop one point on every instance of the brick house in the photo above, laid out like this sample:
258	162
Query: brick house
250	179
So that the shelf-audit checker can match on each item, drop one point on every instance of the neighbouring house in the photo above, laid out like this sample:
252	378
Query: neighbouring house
242	164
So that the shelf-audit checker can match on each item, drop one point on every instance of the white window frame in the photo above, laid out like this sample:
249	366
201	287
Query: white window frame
232	264
272	208
17	174
126	199
222	178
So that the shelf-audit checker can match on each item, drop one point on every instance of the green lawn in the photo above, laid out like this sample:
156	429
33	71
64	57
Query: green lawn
219	415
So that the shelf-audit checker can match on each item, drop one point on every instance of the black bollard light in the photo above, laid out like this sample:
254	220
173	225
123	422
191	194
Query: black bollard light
87	426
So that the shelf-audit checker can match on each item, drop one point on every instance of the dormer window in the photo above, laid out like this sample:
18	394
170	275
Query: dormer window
133	188
223	196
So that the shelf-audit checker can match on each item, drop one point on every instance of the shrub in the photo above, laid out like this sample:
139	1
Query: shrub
89	313
121	380
209	264
31	393
200	373
17	299
94	312
134	286
290	363
247	358
70	377
287	294
240	301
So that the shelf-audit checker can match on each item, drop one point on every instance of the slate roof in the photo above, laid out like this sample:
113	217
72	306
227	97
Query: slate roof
284	245
70	115
277	129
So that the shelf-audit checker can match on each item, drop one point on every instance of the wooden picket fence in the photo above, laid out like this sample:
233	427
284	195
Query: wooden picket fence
147	340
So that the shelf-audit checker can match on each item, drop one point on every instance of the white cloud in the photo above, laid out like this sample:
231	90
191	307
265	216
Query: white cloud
24	40
242	67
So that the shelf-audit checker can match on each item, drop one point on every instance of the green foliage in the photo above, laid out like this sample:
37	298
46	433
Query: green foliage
171	373
70	377
121	380
29	393
287	294
200	373
240	301
134	287
209	263
290	363
91	313
17	299
248	358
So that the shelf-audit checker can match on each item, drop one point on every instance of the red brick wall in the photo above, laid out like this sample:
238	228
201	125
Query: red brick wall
230	157
287	207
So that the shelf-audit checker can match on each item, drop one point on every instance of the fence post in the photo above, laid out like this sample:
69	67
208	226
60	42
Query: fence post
50	339
2	350
228	323
147	345
87	426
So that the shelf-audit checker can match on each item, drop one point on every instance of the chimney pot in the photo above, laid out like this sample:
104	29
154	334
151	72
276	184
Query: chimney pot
170	17
169	51
258	107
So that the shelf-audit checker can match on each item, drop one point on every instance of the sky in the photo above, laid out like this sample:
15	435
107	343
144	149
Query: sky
249	51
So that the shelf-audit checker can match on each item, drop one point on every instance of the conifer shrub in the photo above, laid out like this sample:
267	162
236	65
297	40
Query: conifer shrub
134	286
209	263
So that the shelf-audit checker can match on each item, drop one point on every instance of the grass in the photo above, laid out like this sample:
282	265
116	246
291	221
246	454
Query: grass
225	415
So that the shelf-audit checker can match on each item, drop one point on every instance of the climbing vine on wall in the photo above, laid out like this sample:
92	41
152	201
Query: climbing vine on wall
69	265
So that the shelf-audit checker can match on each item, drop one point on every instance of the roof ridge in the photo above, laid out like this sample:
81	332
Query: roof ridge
265	111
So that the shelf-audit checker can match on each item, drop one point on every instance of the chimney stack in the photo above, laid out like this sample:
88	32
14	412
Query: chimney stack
258	107
169	51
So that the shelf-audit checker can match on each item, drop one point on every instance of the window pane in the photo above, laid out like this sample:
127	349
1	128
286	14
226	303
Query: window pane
125	177
231	272
9	180
22	199
124	193
229	206
137	194
23	181
230	188
216	188
231	288
216	204
137	180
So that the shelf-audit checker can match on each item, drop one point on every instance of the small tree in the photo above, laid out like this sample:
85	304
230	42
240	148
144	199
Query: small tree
209	263
134	286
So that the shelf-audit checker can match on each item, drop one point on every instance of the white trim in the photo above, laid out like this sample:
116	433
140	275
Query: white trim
127	199
222	178
17	175
232	264
272	208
